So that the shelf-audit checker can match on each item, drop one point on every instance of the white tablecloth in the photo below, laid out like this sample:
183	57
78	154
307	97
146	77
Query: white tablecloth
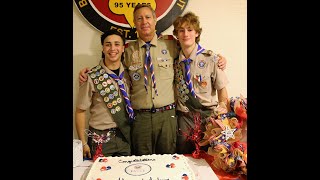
200	167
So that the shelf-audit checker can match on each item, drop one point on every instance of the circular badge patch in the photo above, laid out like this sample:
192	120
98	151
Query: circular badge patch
102	71
118	14
104	75
107	90
104	84
201	64
96	81
101	78
136	76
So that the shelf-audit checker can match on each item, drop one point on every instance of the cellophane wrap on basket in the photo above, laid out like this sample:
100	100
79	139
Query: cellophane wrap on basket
225	136
77	153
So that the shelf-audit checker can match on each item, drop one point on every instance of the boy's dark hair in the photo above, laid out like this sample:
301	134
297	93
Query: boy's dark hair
112	32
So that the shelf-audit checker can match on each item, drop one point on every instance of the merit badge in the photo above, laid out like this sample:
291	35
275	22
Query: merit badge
114	102
92	76
180	89
105	75
107	90
99	86
164	51
104	84
118	108
115	93
118	100
112	87
111	96
101	78
113	111
97	73
106	99
184	86
102	92
201	64
136	76
109	81
109	105
102	71
96	81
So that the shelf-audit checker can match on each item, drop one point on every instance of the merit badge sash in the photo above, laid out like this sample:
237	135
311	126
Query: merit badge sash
112	98
185	95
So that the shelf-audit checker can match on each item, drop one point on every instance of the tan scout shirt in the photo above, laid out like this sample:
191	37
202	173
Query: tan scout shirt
163	52
88	97
205	66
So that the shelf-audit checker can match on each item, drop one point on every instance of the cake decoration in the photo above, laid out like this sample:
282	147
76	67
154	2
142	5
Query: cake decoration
148	167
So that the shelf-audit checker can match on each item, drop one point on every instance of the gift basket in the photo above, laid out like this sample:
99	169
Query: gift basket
226	135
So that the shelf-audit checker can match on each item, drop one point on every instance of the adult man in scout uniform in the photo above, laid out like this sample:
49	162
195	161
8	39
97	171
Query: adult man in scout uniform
198	80
106	95
149	61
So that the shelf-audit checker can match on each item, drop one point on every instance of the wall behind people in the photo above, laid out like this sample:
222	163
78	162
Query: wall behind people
224	30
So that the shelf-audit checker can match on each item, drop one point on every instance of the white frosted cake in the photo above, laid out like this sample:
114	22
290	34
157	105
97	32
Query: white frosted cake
146	167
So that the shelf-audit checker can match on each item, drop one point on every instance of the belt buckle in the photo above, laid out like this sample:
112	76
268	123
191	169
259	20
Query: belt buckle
153	110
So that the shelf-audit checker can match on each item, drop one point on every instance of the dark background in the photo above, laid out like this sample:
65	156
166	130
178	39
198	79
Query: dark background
37	90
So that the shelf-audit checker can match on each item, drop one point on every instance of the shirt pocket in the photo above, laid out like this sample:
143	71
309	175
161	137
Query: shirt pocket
201	83
166	69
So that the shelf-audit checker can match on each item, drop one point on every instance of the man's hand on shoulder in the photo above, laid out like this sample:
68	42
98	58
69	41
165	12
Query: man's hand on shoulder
83	77
222	62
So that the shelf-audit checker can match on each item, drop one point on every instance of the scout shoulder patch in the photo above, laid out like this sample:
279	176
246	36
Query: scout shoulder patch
207	52
213	56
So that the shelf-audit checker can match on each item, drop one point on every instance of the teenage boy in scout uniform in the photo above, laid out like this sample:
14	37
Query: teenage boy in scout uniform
105	94
198	81
149	61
